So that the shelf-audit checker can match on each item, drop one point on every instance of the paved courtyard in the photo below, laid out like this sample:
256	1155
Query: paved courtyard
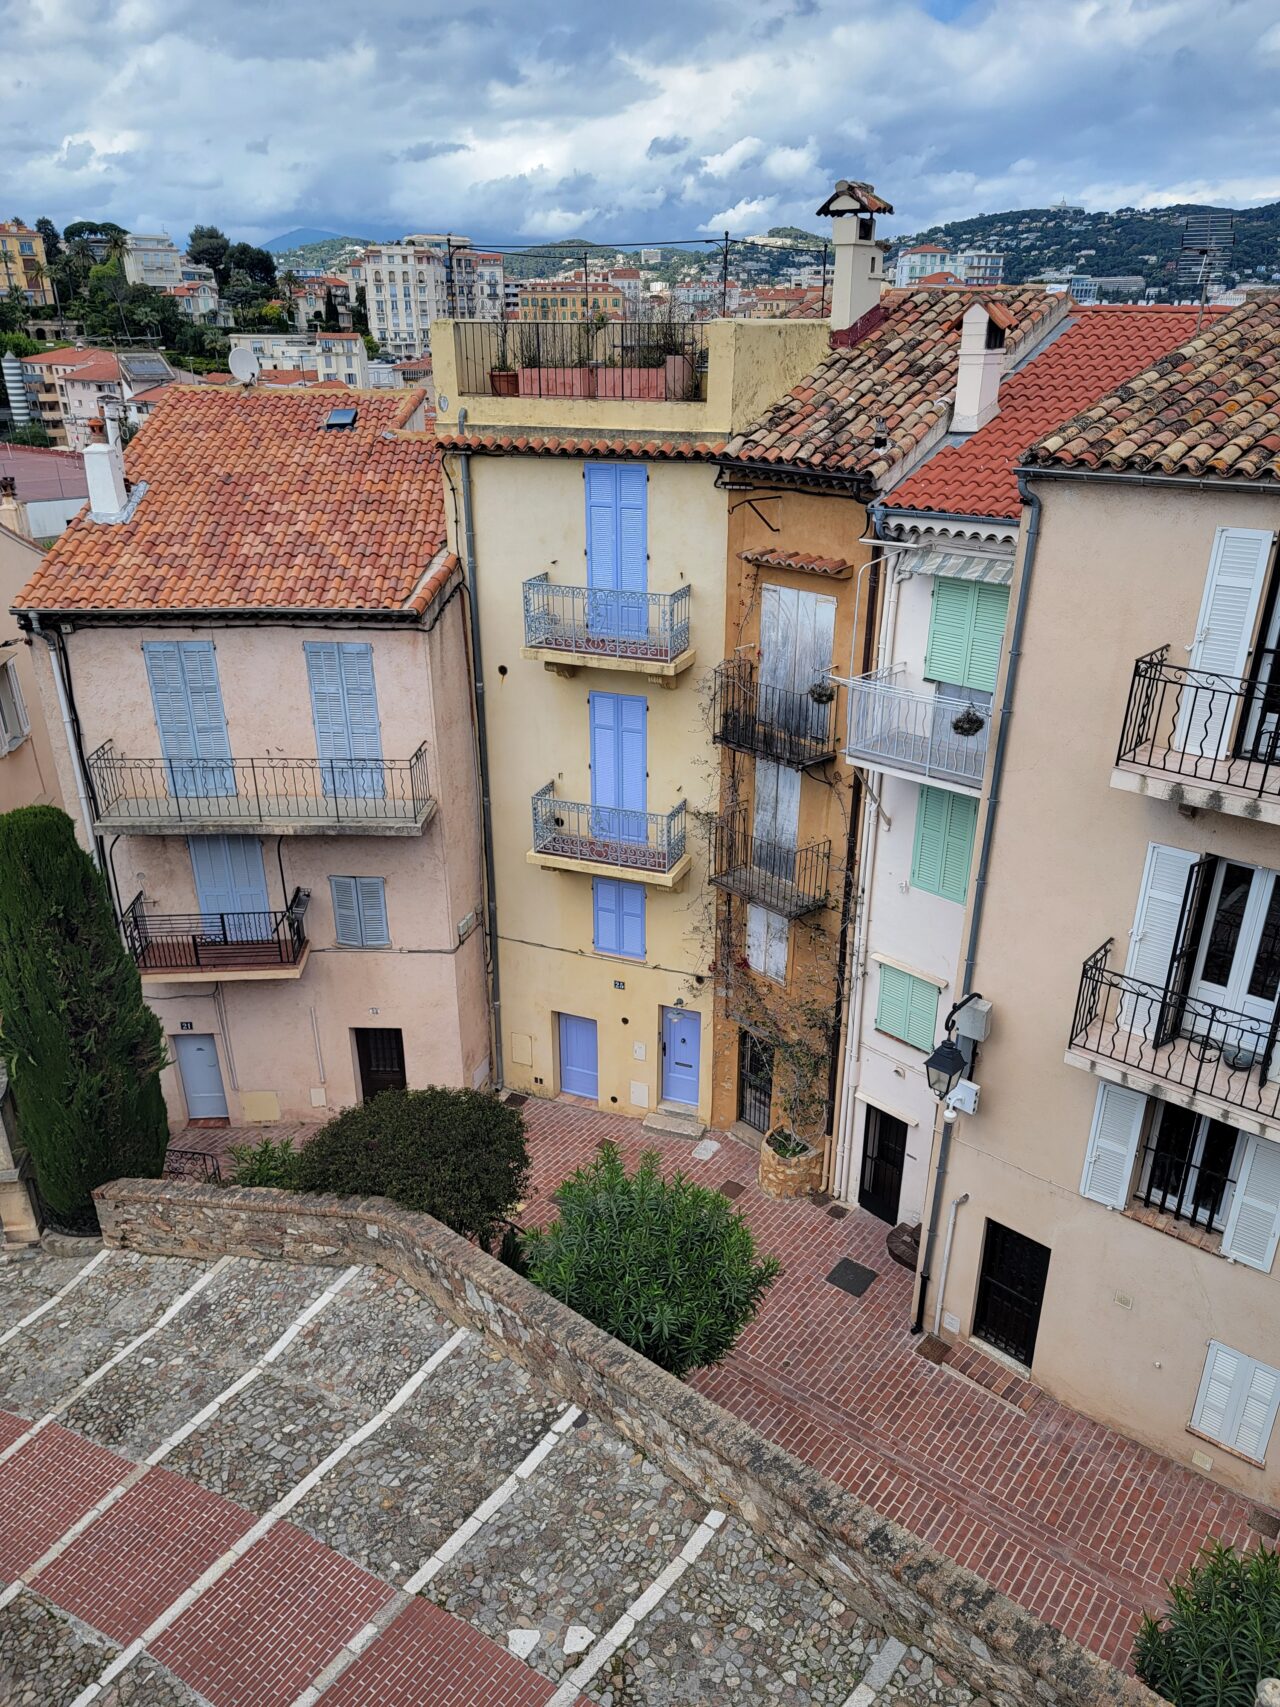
257	1484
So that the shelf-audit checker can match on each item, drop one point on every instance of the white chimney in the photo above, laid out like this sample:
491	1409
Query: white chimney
104	471
981	366
13	513
859	259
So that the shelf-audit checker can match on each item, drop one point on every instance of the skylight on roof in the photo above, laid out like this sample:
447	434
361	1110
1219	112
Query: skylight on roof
340	418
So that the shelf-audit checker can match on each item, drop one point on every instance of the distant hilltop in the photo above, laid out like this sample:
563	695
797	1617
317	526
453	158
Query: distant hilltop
304	234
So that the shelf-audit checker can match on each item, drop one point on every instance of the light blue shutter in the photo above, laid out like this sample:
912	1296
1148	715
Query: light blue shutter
189	716
230	878
371	898
601	480
619	761
608	931
327	713
344	709
631	915
169	698
346	911
633	529
364	737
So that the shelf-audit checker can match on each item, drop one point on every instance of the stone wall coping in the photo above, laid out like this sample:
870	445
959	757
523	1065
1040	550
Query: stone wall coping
873	1564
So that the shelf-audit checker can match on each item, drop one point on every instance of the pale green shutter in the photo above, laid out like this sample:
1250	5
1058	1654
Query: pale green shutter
966	631
907	1007
957	848
922	1013
990	610
945	824
891	1007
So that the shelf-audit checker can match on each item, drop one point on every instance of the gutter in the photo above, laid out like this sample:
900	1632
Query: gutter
1180	482
71	730
1032	503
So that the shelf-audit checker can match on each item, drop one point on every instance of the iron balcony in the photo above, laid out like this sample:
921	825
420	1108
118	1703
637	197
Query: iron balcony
790	728
653	361
291	796
916	734
786	880
219	945
570	835
647	632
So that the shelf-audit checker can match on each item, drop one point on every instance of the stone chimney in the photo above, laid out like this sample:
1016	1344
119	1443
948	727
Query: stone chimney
104	471
13	513
981	365
859	258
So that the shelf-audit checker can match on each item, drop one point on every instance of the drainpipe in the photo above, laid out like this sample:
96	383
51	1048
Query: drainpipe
946	1260
482	744
72	736
1032	503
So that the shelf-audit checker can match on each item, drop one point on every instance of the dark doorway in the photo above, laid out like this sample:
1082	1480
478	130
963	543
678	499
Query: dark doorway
884	1150
755	1081
380	1052
1010	1291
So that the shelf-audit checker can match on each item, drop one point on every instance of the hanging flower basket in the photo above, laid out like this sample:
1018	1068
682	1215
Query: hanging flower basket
822	693
969	722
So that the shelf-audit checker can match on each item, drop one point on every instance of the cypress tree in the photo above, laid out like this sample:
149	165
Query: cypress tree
83	1050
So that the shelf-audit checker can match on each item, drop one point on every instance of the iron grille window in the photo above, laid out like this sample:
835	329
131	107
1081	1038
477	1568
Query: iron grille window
1189	1167
1010	1291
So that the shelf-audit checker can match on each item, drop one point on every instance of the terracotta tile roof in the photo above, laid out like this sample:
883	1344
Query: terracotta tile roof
152	394
1101	348
251	503
544	444
218	379
40	473
939	279
1210	407
101	369
834	567
65	356
898	367
288	376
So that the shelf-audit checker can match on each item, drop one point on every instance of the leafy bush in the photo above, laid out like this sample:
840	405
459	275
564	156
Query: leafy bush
457	1155
665	1266
1220	1634
272	1162
84	1051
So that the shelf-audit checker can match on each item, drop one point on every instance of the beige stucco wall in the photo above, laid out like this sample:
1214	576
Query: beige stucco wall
28	775
530	519
1128	1309
292	1039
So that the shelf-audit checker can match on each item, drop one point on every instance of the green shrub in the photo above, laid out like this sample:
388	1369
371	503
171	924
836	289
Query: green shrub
457	1155
271	1162
1220	1633
664	1265
84	1051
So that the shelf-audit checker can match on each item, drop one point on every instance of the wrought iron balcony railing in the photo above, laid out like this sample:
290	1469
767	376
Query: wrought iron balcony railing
1210	1052
790	881
163	795
773	723
219	942
1198	726
896	728
598	623
607	835
656	361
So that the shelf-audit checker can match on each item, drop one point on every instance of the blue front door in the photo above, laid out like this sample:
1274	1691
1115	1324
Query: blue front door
619	766
231	884
617	549
201	1076
578	1071
681	1043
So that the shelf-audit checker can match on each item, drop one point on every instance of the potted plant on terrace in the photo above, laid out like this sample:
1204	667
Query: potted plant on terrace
503	378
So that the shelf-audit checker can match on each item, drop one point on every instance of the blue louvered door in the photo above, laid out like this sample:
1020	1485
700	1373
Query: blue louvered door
619	766
231	885
192	725
344	708
617	550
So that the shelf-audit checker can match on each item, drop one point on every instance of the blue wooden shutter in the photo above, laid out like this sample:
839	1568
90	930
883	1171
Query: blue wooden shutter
327	711
601	480
346	911
189	716
208	719
371	898
631	918
229	874
169	698
608	928
364	737
344	709
619	762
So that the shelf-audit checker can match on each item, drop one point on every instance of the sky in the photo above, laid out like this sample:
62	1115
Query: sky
625	120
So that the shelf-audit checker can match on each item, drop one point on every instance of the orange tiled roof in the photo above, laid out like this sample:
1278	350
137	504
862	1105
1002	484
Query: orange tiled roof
100	369
544	444
252	504
835	567
68	356
1100	349
1211	407
288	375
899	368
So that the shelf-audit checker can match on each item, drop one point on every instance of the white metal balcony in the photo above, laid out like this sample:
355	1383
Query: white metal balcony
916	733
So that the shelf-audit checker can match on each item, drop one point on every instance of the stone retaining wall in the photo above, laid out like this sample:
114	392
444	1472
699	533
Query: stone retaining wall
875	1567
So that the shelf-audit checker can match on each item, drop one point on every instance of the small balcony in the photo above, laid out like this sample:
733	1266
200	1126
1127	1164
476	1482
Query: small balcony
795	729
609	841
164	797
656	361
789	881
916	734
200	947
1203	739
1213	1059
569	627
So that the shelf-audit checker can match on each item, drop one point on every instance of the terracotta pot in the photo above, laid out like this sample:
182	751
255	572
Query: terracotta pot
648	383
790	1176
557	382
504	382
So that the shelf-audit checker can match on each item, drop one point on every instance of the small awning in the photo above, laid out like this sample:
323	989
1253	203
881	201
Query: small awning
957	565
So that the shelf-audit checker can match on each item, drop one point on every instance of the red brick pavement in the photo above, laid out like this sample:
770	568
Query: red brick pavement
1075	1521
140	1555
45	1487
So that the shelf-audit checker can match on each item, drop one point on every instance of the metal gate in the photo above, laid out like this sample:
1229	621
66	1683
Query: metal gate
755	1081
884	1150
1010	1291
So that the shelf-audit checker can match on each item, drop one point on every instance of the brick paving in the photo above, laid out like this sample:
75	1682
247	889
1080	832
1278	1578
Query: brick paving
1071	1519
44	1488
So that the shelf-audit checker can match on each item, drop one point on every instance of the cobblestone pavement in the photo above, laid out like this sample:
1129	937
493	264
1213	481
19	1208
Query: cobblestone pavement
326	1454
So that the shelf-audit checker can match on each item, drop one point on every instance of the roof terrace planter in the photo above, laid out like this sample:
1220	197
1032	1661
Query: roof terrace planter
568	627
916	733
789	881
193	947
789	727
162	797
570	835
655	361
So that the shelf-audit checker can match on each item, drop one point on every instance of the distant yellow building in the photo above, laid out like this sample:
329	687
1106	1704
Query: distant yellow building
22	263
569	299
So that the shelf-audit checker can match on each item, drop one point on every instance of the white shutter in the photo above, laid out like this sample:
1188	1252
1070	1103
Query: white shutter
1253	1226
1257	1410
1113	1144
768	939
778	612
1237	1401
1224	629
1212	1414
815	639
777	804
1155	931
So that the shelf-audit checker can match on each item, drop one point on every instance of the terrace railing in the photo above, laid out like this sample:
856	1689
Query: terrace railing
607	835
656	361
602	623
194	942
772	723
892	727
1199	726
787	880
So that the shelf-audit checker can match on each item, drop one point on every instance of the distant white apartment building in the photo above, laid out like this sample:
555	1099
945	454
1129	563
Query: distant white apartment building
426	276
327	355
153	258
970	266
490	287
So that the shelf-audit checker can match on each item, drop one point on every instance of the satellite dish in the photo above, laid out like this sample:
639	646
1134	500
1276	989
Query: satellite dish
244	365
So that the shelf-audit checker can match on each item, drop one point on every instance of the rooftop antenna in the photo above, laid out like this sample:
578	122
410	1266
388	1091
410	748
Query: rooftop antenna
244	365
1208	237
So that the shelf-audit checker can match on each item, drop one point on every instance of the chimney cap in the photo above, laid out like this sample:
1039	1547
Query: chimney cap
852	196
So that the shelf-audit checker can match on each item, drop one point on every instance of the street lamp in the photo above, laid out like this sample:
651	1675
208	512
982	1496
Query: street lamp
945	1068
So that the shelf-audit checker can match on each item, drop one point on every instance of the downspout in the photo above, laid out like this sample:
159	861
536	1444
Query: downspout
71	730
1032	504
482	747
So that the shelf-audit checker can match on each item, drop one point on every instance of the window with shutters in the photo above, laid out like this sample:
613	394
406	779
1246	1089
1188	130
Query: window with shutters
14	727
360	912
966	633
619	917
945	824
907	1007
1237	1401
